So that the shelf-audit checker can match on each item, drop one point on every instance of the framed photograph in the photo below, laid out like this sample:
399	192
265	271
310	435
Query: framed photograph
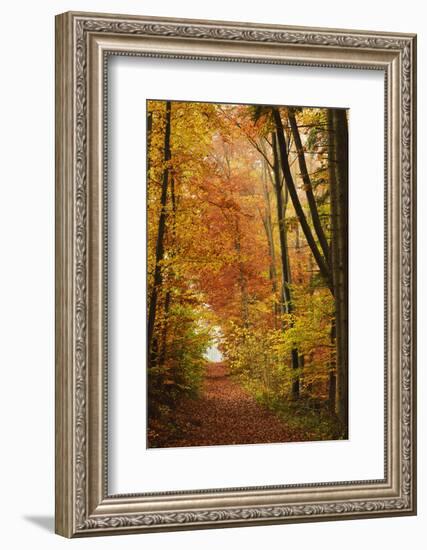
235	274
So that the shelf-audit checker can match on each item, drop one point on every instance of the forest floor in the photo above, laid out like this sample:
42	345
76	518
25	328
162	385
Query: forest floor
225	414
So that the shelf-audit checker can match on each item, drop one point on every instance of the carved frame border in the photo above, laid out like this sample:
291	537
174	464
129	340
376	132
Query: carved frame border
83	43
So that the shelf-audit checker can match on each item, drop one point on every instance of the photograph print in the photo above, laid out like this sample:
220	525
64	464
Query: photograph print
247	274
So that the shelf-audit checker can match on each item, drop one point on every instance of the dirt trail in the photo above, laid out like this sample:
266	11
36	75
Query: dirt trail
225	414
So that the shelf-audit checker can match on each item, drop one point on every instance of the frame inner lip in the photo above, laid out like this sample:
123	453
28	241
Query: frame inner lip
320	486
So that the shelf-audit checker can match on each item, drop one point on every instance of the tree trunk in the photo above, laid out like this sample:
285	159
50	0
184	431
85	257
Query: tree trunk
308	187
242	276
149	130
282	230
286	272
332	398
332	391
158	279
268	226
163	349
320	260
338	177
168	297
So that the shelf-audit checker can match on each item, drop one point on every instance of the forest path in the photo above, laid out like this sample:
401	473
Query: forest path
226	414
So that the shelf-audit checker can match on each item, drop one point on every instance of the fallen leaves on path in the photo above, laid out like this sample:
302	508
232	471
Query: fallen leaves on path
225	414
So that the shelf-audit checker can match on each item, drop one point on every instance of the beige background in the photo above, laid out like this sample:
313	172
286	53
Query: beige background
26	289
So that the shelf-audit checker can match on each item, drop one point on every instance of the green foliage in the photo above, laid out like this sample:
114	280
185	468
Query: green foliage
263	357
309	416
186	353
312	138
261	361
181	370
254	358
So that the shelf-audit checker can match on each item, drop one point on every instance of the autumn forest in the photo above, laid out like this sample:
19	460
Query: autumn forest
247	273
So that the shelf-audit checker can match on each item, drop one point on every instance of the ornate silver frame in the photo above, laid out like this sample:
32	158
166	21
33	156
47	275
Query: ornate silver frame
83	42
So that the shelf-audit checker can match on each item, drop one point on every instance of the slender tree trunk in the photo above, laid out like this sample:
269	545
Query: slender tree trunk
282	230
268	226
308	187
158	279
300	281
149	130
242	276
341	135
162	354
320	260
168	297
332	399
338	176
286	272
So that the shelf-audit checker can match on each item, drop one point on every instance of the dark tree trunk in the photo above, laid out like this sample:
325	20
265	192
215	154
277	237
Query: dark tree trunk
268	226
149	130
332	398
338	177
287	307
332	391
286	272
157	282
308	187
320	260
242	277
162	354
168	297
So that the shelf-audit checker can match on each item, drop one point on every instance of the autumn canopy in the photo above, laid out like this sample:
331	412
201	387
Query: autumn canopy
247	268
